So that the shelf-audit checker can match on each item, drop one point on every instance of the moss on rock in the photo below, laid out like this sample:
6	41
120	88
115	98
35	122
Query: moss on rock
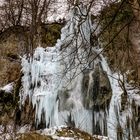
50	33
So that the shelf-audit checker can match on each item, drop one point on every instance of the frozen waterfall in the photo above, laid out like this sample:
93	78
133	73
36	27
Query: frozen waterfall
68	86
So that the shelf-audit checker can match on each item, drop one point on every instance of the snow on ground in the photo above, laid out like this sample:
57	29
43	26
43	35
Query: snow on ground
54	132
6	132
57	133
8	88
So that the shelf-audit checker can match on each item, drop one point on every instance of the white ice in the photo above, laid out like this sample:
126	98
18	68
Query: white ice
8	88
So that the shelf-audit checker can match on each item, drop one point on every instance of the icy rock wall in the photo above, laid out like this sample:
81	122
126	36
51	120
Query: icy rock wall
68	86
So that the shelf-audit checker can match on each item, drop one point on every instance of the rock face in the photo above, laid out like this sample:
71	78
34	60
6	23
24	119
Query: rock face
13	42
96	87
56	133
6	107
135	33
134	38
100	95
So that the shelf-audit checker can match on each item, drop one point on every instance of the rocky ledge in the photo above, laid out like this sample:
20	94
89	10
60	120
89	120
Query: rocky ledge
55	133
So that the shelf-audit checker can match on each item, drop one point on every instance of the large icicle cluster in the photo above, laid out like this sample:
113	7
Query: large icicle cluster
40	81
48	74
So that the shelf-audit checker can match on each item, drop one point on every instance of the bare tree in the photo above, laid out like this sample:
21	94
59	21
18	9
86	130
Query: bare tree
12	12
36	12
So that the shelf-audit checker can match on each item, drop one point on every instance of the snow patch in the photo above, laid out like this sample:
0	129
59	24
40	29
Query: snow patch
8	88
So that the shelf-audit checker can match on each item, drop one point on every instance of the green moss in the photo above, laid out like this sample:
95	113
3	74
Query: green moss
51	34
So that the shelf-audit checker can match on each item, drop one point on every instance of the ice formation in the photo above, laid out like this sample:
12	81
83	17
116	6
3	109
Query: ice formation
41	79
119	117
53	80
51	73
